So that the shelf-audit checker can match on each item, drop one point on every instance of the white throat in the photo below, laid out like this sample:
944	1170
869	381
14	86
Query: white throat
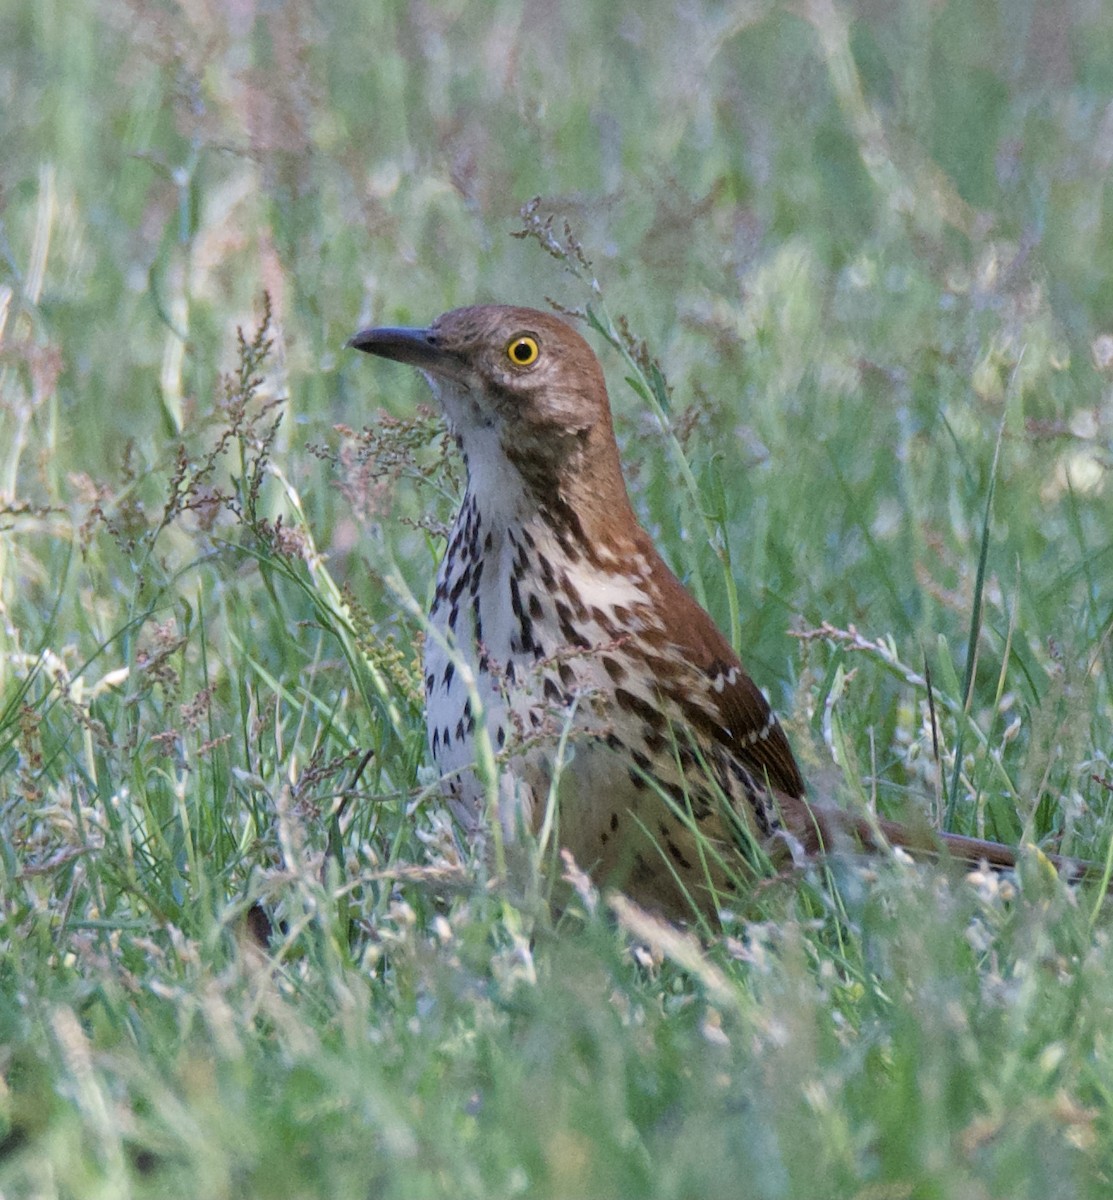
493	480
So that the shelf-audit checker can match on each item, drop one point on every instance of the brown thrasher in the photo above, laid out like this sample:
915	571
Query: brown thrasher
558	626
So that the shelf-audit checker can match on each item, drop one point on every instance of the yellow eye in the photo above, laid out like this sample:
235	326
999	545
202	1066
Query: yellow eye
523	350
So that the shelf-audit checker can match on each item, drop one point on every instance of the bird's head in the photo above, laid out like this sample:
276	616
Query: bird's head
519	387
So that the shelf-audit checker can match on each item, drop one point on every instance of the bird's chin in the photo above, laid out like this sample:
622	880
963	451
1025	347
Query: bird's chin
449	390
461	404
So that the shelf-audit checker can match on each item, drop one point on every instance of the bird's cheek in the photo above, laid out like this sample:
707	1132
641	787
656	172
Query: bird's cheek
567	417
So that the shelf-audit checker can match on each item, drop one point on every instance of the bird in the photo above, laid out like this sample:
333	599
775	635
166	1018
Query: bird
571	681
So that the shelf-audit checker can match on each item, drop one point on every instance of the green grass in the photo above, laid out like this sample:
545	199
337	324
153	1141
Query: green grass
856	265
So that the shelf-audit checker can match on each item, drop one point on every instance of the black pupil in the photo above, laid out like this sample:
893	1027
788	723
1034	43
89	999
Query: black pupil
522	351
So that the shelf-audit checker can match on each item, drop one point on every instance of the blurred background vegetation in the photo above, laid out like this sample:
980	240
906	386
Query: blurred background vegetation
864	252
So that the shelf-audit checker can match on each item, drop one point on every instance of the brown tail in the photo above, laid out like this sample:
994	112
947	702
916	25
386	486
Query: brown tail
821	829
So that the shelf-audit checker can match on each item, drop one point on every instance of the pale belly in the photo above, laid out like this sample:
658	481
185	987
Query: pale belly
554	753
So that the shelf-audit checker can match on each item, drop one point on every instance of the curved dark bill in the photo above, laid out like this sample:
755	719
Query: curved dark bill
413	346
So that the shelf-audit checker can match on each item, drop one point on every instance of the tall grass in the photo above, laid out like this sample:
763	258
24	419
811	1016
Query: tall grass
848	271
